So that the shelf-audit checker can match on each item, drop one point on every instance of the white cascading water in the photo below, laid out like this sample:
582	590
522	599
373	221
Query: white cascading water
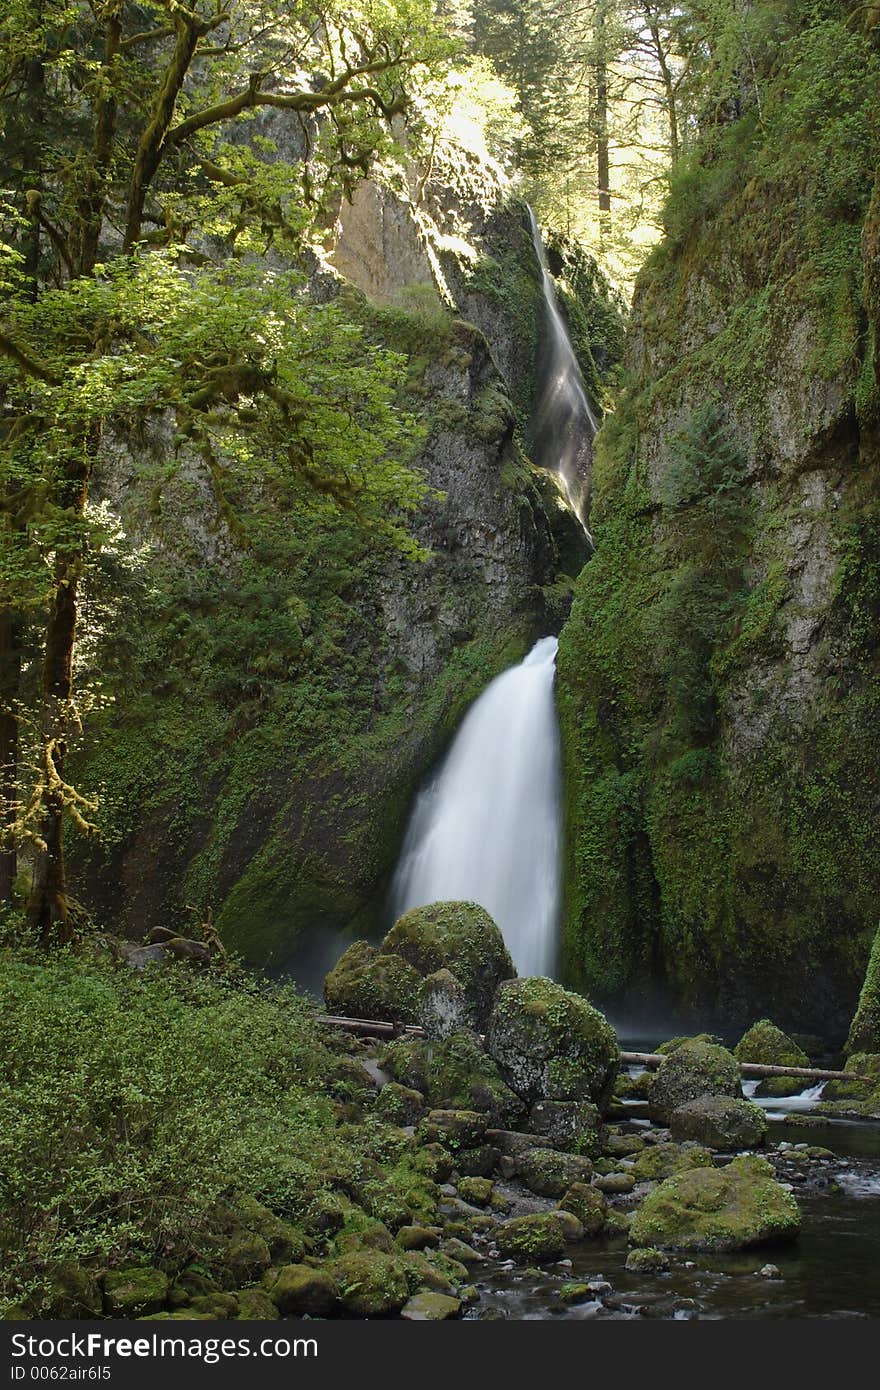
487	828
564	422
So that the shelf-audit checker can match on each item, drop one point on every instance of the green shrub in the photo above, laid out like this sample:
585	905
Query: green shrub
130	1107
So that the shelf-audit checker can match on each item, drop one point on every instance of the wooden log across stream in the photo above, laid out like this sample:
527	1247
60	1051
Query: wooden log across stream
370	1028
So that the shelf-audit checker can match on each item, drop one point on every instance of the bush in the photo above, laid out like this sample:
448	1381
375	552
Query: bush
131	1106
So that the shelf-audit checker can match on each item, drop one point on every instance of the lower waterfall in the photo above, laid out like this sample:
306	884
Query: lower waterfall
486	828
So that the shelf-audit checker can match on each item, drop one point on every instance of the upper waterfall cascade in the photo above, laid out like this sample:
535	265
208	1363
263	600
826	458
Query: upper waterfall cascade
487	827
564	422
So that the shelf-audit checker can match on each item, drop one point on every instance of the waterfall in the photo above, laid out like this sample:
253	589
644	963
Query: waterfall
564	422
487	827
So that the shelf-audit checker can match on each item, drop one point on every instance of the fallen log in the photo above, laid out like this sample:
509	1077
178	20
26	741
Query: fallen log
371	1028
754	1069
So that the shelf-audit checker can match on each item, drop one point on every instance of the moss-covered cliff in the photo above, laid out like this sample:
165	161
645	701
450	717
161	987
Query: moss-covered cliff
719	676
293	677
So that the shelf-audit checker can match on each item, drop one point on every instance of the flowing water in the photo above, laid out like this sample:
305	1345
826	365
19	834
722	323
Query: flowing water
487	827
563	423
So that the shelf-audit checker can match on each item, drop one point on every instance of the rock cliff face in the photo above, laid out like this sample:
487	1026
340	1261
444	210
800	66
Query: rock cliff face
283	699
719	676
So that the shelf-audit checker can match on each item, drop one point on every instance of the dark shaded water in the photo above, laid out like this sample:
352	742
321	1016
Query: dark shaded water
833	1270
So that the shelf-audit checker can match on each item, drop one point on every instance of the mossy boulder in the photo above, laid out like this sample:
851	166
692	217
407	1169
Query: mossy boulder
856	1096
285	1240
673	1044
549	1173
717	1210
588	1205
246	1257
399	1105
135	1293
766	1043
475	1190
443	1005
660	1161
694	1069
463	1076
864	1033
720	1122
454	1129
367	983
551	1044
537	1237
371	1284
430	1307
647	1261
456	936
299	1289
408	1060
575	1125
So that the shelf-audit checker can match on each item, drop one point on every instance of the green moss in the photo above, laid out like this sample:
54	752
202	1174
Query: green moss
864	1033
732	1208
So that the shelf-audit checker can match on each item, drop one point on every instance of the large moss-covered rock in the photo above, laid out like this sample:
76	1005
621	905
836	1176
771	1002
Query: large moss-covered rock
766	1043
299	1289
460	937
589	1206
430	1307
717	1209
551	1044
462	1076
864	1033
720	1122
371	1284
694	1069
662	1160
399	1105
529	1238
575	1125
549	1173
857	1094
365	983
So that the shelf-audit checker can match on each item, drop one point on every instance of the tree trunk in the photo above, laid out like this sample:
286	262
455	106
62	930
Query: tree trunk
48	914
10	672
603	161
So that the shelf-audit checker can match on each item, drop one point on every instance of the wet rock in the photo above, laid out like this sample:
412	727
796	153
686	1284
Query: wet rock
719	1122
575	1125
770	1272
624	1145
476	1190
766	1043
551	1044
454	1129
479	1162
371	1284
301	1289
430	1307
615	1184
549	1173
694	1069
365	983
588	1205
662	1160
532	1238
457	934
462	1252
399	1105
418	1237
647	1261
717	1209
